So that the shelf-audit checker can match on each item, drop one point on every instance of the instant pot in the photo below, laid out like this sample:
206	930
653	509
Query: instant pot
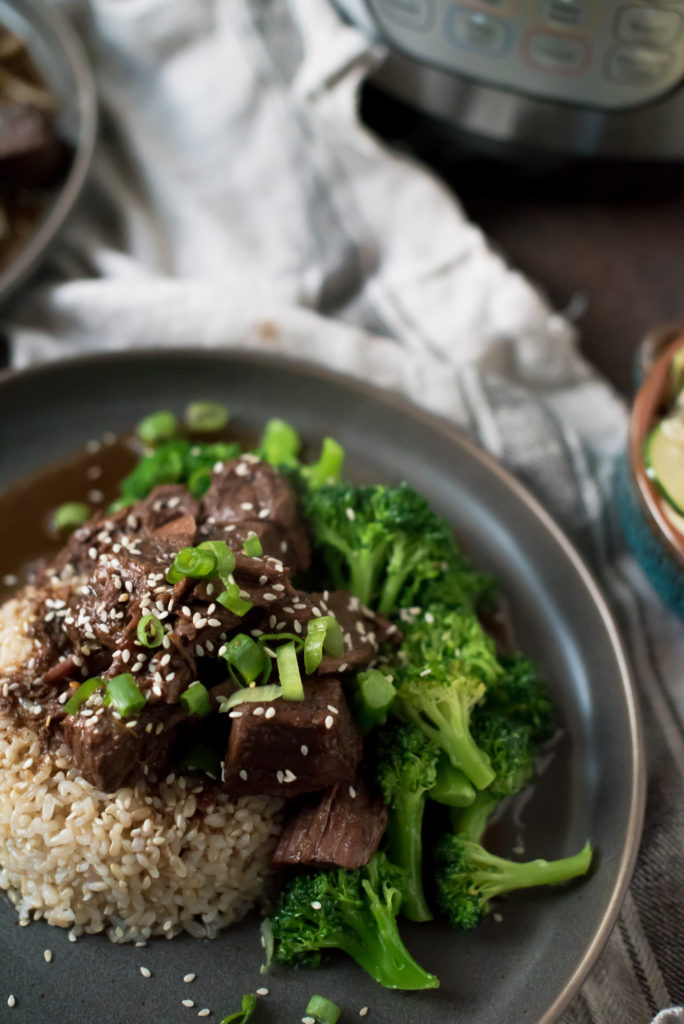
588	78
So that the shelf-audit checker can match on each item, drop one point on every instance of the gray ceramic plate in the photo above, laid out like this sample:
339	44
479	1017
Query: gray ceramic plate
524	968
61	60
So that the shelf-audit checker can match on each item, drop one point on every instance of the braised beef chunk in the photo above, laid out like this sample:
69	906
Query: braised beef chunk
249	496
109	754
169	505
307	745
341	829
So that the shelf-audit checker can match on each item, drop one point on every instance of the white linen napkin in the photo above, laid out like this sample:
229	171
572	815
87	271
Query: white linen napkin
237	200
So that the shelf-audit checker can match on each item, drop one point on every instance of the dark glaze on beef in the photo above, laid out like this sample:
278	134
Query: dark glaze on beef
113	571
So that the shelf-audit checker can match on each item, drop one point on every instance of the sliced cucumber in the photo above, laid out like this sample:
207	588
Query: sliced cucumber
664	456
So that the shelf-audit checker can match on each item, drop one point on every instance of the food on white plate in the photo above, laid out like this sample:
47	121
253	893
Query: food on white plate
250	682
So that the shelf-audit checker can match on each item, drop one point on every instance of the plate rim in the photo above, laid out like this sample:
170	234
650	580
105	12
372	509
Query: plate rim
457	436
51	19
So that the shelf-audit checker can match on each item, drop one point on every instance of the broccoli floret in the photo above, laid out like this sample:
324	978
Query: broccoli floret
355	911
468	877
521	695
381	543
511	754
445	665
406	768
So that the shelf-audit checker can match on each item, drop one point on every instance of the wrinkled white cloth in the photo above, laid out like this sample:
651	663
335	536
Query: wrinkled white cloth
236	200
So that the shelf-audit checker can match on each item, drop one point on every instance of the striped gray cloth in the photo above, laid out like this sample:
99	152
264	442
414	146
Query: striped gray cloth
237	200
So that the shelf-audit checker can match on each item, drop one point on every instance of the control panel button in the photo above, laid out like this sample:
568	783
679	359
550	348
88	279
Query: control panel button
638	67
418	15
479	32
557	54
566	13
647	26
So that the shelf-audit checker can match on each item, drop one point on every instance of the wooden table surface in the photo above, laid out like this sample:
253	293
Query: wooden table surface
605	241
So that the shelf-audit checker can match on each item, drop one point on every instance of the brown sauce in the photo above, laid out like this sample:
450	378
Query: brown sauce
26	509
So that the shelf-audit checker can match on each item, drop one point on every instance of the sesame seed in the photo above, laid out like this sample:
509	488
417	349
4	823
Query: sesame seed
333	710
243	774
363	1012
95	496
315	905
11	1001
187	1002
351	515
206	1012
498	918
304	749
146	972
187	978
352	793
280	777
258	711
262	991
92	552
329	721
289	776
308	1020
270	712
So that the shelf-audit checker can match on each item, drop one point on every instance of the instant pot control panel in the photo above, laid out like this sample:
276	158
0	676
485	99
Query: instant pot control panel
610	54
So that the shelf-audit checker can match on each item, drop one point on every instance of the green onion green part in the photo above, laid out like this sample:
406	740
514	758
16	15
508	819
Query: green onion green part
323	1010
205	417
323	634
195	700
80	696
280	444
158	427
225	559
196	563
249	1001
200	758
70	515
288	670
231	599
246	656
252	546
199	482
251	695
124	696
150	631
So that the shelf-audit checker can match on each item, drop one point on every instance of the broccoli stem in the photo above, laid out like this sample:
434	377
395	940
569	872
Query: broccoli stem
452	787
472	820
404	837
450	731
381	952
494	875
365	566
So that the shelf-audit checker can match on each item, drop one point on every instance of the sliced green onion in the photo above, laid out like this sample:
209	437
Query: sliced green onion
150	631
328	468
199	482
249	1002
268	943
205	417
252	546
193	562
251	695
200	758
323	634
70	515
247	656
231	599
159	426
288	670
195	700
280	444
323	1010
80	696
124	696
225	559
